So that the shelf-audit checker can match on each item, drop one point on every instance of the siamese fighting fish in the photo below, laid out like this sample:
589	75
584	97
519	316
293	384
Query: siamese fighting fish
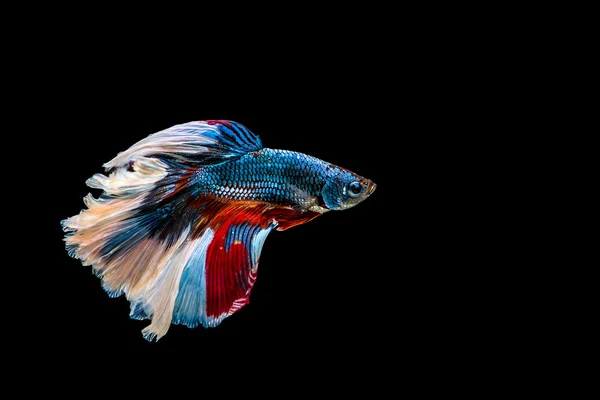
183	215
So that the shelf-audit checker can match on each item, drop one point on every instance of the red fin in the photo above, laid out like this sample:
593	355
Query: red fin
240	229
232	260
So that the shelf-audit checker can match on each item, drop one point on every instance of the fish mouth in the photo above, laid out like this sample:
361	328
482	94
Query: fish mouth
371	188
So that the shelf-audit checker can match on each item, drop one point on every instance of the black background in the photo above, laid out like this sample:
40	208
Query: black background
412	282
403	283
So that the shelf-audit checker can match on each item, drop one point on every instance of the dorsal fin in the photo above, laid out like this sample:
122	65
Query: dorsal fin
192	143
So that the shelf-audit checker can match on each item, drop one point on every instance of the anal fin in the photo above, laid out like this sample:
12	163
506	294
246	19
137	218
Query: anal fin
218	281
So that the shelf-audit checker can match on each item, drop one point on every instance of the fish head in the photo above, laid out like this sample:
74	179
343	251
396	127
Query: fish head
344	189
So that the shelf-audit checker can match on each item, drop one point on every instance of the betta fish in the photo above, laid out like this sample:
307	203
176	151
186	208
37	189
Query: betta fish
184	214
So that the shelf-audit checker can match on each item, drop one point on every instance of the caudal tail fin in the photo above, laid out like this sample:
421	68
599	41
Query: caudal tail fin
178	257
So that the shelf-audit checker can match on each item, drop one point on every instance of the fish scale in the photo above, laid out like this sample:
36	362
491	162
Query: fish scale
269	175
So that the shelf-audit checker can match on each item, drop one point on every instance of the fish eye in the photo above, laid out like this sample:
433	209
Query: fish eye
354	189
